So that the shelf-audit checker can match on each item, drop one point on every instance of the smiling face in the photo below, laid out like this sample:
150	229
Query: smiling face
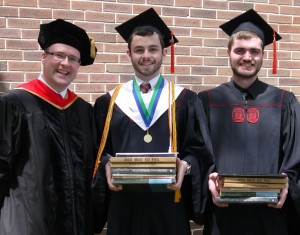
246	57
146	54
59	74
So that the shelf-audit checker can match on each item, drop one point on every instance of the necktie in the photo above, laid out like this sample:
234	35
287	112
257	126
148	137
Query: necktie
145	87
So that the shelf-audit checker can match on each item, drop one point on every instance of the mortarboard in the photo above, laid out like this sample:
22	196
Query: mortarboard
152	19
252	21
61	31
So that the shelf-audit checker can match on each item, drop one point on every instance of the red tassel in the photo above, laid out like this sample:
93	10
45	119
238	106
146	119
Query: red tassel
274	71
172	53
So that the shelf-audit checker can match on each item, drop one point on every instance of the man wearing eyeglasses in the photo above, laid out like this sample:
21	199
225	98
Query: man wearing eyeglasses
46	142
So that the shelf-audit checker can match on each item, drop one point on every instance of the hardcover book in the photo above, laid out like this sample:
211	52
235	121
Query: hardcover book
247	200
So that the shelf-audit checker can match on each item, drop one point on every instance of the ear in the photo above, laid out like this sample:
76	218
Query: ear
128	53
43	56
164	51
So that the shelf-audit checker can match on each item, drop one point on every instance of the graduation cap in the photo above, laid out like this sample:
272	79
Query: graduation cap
61	31
149	18
253	22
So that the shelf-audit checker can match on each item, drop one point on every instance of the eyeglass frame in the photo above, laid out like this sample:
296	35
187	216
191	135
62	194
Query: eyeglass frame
60	56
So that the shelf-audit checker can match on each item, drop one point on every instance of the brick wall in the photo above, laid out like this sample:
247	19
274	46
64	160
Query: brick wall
201	59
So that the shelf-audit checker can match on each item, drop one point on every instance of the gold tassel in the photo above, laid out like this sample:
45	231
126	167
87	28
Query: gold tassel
93	48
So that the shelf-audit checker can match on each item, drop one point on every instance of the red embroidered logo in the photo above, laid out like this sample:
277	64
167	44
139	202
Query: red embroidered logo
252	115
238	115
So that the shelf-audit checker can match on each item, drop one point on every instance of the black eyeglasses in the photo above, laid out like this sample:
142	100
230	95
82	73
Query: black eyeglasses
59	56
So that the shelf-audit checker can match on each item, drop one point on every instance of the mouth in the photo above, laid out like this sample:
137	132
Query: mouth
63	72
247	66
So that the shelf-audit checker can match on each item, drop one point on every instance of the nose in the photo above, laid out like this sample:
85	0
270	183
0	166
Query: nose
247	55
146	54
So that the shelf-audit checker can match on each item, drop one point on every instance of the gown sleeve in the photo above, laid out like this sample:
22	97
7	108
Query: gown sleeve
196	148
291	152
10	139
100	190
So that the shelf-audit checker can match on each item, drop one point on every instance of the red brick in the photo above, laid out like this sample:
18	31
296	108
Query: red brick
86	5
10	33
3	66
191	60
21	44
19	3
68	15
11	76
35	13
188	3
23	23
8	12
100	16
208	4
104	78
117	7
10	55
24	66
55	4
94	68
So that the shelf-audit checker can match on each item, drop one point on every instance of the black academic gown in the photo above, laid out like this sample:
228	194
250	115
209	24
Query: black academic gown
46	162
257	136
155	213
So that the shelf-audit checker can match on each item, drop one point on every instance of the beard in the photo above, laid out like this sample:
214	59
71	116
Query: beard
245	75
147	72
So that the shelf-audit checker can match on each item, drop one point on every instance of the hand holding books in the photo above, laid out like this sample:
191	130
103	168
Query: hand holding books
249	189
153	170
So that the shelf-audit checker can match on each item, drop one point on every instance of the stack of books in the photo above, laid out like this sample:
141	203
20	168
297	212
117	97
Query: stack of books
253	189
143	168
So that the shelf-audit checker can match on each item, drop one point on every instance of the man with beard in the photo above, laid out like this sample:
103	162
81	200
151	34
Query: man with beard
254	130
143	211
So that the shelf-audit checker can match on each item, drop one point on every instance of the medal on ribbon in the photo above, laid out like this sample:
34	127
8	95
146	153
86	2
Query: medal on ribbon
148	113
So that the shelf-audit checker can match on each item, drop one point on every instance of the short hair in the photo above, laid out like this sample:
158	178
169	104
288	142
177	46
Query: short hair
243	35
143	31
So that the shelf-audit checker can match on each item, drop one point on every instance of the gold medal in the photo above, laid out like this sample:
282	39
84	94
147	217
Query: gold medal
147	137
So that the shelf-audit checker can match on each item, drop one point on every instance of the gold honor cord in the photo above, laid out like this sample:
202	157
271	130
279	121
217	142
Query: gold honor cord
106	128
174	144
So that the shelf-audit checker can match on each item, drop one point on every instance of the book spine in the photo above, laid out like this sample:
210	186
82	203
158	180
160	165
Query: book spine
137	176
144	165
164	154
253	180
143	159
242	200
249	194
253	185
143	171
144	181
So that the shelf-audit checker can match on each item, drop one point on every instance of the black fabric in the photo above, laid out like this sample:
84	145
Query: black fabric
49	159
268	146
253	22
156	213
148	18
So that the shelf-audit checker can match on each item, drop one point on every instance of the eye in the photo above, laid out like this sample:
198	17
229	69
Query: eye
239	51
60	56
73	59
139	50
255	52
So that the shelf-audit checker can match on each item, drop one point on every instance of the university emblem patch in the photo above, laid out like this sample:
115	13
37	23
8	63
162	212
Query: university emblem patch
238	115
252	115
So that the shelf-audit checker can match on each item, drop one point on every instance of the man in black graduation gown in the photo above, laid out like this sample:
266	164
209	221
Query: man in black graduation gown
46	142
146	212
255	130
